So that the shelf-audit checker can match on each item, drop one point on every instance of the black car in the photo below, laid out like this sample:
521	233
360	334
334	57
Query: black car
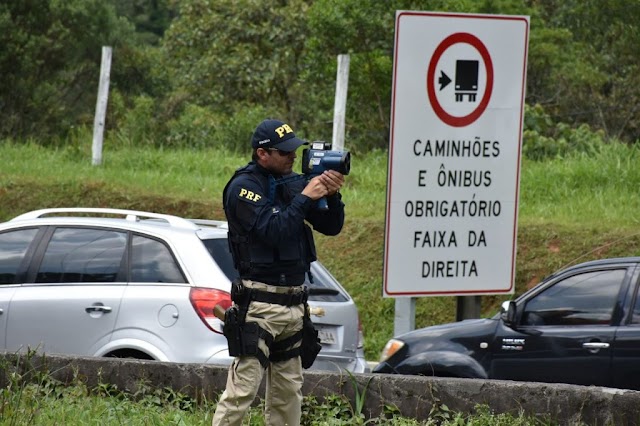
579	326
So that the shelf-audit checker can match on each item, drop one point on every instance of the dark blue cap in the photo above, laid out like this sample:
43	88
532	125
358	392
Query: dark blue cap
275	134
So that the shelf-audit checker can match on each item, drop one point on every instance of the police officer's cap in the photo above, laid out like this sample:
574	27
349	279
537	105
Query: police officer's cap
275	134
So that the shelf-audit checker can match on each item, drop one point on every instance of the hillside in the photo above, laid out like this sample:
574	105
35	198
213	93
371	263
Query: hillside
543	246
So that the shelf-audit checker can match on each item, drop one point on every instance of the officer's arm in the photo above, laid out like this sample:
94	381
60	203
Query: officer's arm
328	222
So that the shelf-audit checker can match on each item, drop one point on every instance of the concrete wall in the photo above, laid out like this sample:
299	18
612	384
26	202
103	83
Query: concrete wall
414	396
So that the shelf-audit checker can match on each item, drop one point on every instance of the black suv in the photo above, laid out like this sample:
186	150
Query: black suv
579	326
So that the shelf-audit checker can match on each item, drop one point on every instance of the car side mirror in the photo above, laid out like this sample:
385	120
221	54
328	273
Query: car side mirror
508	313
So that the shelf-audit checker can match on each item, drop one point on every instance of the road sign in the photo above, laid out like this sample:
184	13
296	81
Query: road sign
454	154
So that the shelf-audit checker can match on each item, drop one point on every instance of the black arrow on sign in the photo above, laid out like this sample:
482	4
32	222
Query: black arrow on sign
444	80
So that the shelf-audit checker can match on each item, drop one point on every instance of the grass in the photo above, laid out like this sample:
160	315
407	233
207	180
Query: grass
583	190
197	176
571	209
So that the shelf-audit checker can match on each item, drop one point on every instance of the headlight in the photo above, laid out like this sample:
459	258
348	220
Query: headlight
391	348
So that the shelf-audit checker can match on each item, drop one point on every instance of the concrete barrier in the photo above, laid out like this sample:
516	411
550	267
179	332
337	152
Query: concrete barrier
414	396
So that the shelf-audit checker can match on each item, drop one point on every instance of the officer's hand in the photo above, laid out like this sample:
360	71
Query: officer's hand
332	180
315	189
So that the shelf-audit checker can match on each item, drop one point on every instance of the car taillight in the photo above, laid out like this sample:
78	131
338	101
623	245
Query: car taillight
204	300
360	335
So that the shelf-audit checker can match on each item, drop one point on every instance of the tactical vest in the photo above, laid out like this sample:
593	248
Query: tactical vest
260	260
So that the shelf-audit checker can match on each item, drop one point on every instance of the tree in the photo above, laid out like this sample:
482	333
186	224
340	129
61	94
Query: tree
609	32
150	17
50	61
231	53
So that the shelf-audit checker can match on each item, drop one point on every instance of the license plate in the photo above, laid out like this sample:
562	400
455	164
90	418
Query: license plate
327	337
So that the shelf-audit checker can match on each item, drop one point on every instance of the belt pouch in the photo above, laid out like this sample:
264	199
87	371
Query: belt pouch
310	346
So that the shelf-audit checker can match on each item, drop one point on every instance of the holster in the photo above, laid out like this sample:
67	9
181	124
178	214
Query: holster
310	346
242	337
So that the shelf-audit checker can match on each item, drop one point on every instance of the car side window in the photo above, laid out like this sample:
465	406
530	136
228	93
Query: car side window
152	262
218	248
82	255
13	247
635	317
583	299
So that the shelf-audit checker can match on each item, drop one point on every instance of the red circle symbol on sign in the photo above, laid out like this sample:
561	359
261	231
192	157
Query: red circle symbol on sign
437	108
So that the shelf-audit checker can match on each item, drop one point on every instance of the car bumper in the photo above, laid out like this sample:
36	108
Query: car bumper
337	364
384	368
322	363
220	358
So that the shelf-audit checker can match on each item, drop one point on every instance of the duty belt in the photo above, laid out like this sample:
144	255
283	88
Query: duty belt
285	299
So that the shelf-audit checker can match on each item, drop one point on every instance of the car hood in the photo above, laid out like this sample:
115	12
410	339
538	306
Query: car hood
438	336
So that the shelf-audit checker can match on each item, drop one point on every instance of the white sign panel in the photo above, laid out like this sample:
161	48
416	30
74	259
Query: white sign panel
454	155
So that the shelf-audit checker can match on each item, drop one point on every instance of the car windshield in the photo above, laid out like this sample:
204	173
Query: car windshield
323	287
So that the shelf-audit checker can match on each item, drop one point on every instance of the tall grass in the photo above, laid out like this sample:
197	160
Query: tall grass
577	190
584	189
198	175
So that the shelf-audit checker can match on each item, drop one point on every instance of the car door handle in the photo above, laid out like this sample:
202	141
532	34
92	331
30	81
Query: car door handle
105	309
595	345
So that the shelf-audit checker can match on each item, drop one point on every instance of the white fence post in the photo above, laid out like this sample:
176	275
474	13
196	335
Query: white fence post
101	106
340	107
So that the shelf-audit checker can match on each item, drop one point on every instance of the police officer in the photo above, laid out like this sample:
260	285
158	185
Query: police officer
267	205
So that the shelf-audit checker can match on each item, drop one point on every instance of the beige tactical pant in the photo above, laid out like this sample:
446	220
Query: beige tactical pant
283	399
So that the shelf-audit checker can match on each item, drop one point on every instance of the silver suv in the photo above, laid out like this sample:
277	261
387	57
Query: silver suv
122	283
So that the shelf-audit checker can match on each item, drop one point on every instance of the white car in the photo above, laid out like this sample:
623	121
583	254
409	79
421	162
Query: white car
122	283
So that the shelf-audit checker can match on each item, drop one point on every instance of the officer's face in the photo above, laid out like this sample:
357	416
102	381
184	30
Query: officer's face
276	161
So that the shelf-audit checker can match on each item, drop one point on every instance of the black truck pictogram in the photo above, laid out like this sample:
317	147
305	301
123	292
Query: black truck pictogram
466	80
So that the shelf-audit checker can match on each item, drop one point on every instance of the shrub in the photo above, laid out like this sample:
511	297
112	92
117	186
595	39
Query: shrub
200	127
545	139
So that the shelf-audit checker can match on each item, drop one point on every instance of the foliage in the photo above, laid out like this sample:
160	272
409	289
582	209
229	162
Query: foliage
135	123
189	67
49	62
359	397
210	36
607	34
226	53
151	18
544	138
199	127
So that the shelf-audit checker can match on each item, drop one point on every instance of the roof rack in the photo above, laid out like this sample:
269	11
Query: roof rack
212	223
132	215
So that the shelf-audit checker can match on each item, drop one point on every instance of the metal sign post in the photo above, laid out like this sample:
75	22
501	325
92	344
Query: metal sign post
340	107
